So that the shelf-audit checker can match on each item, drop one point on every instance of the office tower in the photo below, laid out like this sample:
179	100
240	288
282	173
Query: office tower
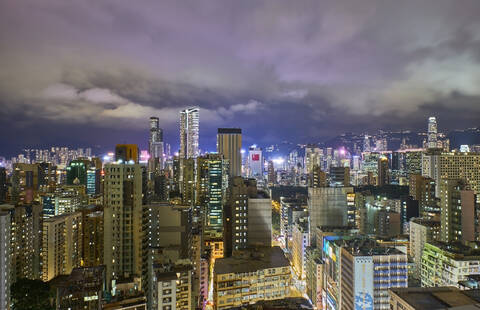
92	252
301	240
229	144
93	180
259	229
5	253
126	153
236	213
420	298
212	182
339	176
368	272
81	289
458	211
271	176
432	132
383	172
189	132
421	232
446	264
317	178
77	171
255	161
122	220
422	189
3	185
327	206
62	245
24	183
250	271
155	146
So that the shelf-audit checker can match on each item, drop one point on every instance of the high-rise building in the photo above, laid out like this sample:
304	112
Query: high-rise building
77	171
212	181
155	146
62	245
122	221
24	183
271	177
383	171
259	228
264	270
446	264
188	184
313	156
255	161
422	189
236	214
452	166
458	211
317	178
432	132
27	240
92	220
368	272
421	232
229	144
301	240
3	184
327	206
126	153
339	176
189	133
5	251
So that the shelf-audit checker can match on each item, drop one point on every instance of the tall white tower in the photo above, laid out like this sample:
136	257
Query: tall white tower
189	119
155	144
432	132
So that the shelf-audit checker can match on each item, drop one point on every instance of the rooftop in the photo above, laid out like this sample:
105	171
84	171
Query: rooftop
437	297
251	260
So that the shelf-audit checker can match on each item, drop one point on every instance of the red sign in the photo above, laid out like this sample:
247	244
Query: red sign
255	157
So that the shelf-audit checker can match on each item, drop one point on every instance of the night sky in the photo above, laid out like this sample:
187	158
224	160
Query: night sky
83	73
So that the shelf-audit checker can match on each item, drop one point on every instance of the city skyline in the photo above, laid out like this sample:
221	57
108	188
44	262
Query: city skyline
280	71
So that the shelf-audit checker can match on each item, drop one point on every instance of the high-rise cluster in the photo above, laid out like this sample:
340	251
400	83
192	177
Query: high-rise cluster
379	222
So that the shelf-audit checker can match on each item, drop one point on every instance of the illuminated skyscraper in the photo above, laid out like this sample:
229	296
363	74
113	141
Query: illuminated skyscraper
155	145
212	180
432	132
229	143
189	121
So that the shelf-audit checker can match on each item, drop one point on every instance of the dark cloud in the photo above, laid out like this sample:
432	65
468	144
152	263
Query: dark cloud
93	71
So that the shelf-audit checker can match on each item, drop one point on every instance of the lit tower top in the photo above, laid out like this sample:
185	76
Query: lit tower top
432	132
189	121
